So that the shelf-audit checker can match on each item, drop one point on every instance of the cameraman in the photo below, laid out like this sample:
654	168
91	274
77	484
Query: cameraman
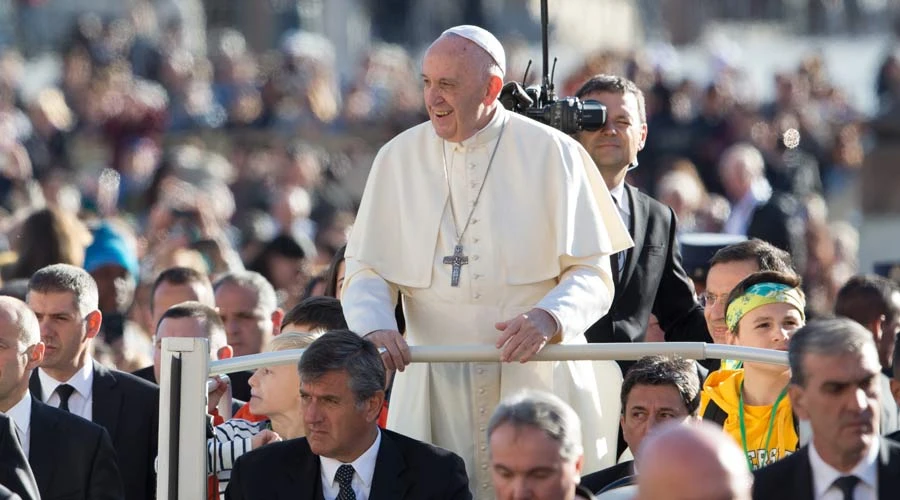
649	276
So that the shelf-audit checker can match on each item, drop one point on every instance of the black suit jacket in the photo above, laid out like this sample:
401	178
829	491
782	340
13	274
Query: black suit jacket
652	281
791	477
405	469
71	457
128	408
596	481
15	473
5	494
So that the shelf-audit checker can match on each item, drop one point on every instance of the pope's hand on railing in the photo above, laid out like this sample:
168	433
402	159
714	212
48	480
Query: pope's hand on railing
264	437
525	335
396	354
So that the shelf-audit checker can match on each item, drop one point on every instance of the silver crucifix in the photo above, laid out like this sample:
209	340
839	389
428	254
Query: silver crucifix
457	260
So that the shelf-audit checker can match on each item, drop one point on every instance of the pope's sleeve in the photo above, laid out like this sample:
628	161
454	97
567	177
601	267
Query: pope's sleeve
368	299
582	296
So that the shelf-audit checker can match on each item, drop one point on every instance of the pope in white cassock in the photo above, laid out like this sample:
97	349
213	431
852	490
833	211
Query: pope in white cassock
494	229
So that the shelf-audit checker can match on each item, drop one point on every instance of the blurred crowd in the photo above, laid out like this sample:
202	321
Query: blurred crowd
237	159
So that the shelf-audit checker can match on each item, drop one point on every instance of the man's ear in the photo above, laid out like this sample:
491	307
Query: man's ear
226	352
495	85
93	320
798	401
277	317
373	406
579	464
35	355
877	327
895	389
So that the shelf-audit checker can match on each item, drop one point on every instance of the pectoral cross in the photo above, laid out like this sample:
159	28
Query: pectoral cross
457	260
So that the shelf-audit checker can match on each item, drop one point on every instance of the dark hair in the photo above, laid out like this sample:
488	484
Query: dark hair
323	313
207	316
343	350
827	337
789	279
65	278
331	276
865	298
767	256
660	370
49	236
615	85
179	276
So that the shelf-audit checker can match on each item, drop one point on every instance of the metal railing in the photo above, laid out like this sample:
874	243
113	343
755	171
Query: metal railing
186	368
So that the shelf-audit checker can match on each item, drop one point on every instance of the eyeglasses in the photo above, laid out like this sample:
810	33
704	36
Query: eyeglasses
709	299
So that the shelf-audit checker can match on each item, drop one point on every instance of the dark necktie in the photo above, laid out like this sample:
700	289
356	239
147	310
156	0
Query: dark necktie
846	484
64	391
344	478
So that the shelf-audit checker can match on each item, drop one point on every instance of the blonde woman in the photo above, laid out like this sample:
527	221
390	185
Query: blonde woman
751	403
275	392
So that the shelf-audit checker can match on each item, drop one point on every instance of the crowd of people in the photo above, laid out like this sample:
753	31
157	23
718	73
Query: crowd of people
152	193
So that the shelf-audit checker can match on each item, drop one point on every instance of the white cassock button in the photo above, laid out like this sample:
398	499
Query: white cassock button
474	257
477	295
471	165
480	371
481	391
476	276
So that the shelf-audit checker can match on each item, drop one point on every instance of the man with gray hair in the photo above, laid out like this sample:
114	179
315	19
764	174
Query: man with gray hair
535	448
693	461
65	300
834	385
344	454
249	308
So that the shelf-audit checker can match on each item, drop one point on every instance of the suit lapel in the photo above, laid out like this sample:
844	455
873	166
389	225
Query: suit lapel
106	400
803	481
43	444
34	385
638	227
305	476
888	469
388	466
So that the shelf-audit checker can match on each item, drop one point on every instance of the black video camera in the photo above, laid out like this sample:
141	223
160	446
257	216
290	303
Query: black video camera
569	114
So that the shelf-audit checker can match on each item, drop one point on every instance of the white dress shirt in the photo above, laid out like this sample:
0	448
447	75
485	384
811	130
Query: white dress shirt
21	416
364	471
824	476
620	197
81	400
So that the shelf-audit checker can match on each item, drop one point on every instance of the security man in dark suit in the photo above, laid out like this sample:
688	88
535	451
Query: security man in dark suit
65	300
344	454
834	385
649	277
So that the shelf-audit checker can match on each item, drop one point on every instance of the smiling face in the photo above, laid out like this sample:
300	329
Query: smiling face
720	281
768	327
460	94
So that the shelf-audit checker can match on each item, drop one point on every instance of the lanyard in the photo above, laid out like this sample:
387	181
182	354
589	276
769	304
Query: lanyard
744	427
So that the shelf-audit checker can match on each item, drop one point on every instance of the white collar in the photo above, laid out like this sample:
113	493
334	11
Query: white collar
82	381
620	197
824	474
21	414
364	465
486	134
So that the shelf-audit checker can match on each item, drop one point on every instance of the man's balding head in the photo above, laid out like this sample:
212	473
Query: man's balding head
21	350
699	462
16	315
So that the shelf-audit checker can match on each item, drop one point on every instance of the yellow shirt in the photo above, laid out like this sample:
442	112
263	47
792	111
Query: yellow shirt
723	388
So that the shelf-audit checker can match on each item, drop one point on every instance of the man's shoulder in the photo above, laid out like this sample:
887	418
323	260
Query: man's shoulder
74	426
128	382
655	207
275	455
786	467
419	450
410	136
596	481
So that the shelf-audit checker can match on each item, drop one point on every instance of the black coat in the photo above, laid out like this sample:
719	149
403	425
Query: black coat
15	473
72	457
791	477
596	481
404	469
652	281
128	408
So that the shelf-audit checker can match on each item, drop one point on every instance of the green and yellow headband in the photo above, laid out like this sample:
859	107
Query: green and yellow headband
762	294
